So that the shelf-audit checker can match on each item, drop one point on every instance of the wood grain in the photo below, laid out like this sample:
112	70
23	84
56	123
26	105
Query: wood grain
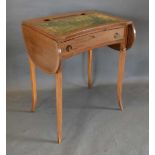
59	105
122	56
130	38
34	85
42	50
90	68
91	41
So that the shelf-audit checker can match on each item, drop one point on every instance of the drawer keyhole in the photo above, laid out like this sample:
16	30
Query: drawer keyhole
116	35
68	48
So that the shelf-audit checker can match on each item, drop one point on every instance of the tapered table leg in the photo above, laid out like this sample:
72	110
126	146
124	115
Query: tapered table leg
90	68
34	86
59	105
122	55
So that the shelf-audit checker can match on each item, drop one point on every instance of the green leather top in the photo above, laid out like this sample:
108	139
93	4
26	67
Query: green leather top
67	25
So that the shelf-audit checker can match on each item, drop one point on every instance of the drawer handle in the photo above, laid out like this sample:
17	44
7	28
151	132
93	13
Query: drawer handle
68	48
117	35
92	36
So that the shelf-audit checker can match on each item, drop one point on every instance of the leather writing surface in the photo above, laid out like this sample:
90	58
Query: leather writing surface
70	24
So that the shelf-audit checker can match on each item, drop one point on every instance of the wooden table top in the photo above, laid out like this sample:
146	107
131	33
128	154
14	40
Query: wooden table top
61	26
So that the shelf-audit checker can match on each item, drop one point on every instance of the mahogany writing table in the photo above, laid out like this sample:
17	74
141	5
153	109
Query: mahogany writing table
52	39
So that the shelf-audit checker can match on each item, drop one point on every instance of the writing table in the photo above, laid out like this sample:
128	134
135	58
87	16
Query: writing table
52	39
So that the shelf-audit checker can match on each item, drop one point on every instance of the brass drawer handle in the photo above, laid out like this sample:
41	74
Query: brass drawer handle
117	35
68	48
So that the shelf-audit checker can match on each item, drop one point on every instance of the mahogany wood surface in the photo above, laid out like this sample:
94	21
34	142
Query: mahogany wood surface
130	38
91	41
42	50
52	39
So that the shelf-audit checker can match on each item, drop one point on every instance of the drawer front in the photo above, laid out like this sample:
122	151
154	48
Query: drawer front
91	41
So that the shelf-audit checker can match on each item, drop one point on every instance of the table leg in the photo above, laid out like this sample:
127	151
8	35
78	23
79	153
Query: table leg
59	105
122	55
90	68
34	87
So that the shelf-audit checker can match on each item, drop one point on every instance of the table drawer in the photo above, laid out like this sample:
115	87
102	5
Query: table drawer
75	46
